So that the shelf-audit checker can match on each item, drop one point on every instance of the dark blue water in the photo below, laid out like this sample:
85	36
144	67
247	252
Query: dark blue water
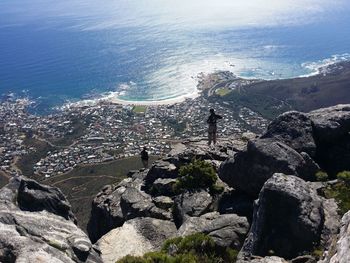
152	50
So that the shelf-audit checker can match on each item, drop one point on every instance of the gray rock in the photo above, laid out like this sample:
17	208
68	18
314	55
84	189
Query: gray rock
135	203
136	237
289	218
250	169
40	235
331	132
160	169
227	230
33	196
331	123
295	130
163	202
164	187
191	204
339	252
116	204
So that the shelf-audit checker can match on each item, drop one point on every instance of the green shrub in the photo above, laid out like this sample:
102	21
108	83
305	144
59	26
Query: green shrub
341	193
197	174
344	176
191	249
321	176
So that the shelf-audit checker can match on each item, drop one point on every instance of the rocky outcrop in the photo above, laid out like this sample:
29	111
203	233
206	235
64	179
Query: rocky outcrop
227	230
33	196
294	129
323	134
331	123
136	237
290	218
116	204
41	231
331	132
250	169
191	204
160	170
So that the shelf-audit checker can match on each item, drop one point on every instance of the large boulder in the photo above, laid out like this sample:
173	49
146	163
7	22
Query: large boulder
164	187
332	135
227	230
136	237
116	204
43	233
289	219
295	130
33	196
192	203
331	123
250	169
160	169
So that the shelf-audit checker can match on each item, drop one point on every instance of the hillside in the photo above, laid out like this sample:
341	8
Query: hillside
270	98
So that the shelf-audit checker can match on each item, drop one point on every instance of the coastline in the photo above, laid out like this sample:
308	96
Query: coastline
207	81
114	99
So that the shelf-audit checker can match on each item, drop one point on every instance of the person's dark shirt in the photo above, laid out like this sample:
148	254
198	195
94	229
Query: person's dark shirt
213	118
144	155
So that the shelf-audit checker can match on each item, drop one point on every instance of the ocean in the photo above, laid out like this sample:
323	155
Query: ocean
56	52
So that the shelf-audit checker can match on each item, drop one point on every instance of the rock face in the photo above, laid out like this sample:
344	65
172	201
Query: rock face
250	169
135	237
227	230
340	251
289	218
331	132
295	130
42	233
191	204
116	204
33	196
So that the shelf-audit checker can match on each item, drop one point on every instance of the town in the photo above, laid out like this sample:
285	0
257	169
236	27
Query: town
105	131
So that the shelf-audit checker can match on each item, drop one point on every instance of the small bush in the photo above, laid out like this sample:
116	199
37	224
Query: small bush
321	176
344	176
341	193
197	174
191	249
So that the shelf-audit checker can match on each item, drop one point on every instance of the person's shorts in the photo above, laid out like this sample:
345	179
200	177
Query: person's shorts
212	129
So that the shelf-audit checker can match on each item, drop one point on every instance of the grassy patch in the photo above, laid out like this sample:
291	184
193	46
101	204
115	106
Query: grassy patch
267	106
139	109
191	249
82	183
222	91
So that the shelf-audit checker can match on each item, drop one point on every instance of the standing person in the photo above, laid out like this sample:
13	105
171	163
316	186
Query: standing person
212	129
144	157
